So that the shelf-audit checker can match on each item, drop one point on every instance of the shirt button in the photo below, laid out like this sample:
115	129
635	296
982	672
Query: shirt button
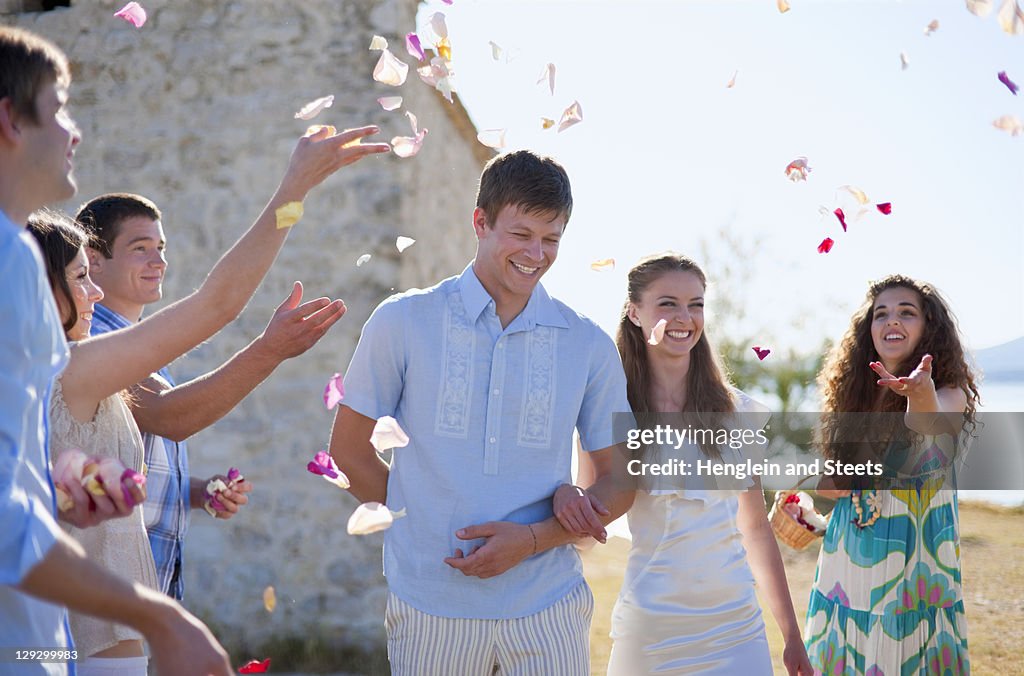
495	391
493	440
501	346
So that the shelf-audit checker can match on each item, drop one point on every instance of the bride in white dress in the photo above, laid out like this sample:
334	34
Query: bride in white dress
687	603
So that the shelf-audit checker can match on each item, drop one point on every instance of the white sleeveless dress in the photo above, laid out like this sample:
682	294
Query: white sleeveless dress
687	604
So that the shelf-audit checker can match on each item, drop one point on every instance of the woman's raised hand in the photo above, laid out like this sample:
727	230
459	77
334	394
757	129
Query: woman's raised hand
918	382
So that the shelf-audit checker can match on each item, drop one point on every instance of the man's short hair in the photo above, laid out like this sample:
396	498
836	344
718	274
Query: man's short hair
534	183
102	217
27	64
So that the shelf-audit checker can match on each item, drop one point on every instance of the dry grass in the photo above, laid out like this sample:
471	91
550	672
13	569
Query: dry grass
992	552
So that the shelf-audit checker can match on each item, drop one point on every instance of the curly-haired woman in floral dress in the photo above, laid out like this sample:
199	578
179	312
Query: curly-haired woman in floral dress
887	595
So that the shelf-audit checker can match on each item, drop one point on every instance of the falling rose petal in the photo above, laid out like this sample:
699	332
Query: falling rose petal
438	25
408	146
761	352
269	599
387	433
390	70
884	207
444	49
798	169
572	115
363	260
857	193
603	265
495	50
904	61
413	46
492	138
783	5
732	80
548	74
133	13
1011	124
657	333
334	392
931	27
546	123
1010	84
255	667
841	216
372	517
403	243
447	2
378	43
826	245
323	465
314	108
390	102
444	86
979	7
1011	18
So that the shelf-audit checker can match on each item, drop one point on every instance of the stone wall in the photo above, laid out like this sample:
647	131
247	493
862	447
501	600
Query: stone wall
195	110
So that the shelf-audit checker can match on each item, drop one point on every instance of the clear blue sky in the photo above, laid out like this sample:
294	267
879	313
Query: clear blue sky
667	156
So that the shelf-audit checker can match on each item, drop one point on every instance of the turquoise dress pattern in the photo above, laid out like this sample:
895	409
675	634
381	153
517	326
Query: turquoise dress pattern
887	598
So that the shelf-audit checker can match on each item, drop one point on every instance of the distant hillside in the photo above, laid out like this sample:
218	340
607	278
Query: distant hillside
1002	362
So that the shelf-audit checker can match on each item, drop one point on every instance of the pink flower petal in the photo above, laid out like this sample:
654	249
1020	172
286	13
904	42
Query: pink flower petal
572	115
255	667
603	264
492	138
390	70
841	216
372	517
1011	18
390	102
658	332
69	466
1011	124
408	146
932	26
378	43
884	207
133	13
413	46
979	7
323	465
387	433
761	352
548	74
826	245
798	169
314	108
1010	84
732	81
438	25
783	6
334	392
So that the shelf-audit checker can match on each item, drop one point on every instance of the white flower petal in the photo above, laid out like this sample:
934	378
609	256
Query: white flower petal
390	70
390	102
362	260
658	332
403	243
378	43
492	138
313	108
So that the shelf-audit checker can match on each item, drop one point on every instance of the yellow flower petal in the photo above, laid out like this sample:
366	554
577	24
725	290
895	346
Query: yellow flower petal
288	214
269	599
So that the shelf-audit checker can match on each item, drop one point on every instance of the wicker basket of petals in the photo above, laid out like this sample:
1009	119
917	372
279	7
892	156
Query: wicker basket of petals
795	520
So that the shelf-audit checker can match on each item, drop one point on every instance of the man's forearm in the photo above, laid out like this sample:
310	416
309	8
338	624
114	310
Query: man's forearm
185	409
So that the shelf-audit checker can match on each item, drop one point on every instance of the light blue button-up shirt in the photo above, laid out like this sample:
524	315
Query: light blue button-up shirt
490	414
32	352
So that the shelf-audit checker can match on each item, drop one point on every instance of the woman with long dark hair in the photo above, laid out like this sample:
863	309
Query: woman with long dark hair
887	595
687	603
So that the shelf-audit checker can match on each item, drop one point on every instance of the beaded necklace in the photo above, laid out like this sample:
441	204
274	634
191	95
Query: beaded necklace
874	500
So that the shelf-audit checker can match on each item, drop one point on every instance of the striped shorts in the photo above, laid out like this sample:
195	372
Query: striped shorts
554	641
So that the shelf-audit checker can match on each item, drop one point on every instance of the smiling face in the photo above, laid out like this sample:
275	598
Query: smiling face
897	325
133	275
84	295
678	298
513	253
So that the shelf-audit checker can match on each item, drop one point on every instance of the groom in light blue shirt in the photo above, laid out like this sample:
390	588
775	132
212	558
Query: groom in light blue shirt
489	376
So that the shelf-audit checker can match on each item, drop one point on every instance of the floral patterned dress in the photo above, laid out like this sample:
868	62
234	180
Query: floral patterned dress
887	598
